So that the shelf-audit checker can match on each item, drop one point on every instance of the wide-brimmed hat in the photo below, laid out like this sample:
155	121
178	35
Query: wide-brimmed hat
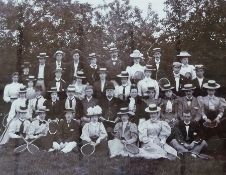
123	74
149	68
92	55
22	109
113	49
177	64
211	84
15	74
125	110
102	70
152	108
31	78
93	111
58	52
42	55
52	89
75	51
184	54
188	87
23	89
80	74
26	64
71	88
167	87
136	54
42	109
13	97
199	66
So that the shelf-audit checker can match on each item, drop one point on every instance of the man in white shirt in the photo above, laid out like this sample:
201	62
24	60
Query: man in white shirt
91	70
123	91
42	73
186	67
143	85
12	89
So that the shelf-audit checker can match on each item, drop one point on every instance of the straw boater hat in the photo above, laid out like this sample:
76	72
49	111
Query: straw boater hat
167	87
94	111
184	54
92	55
125	110
26	65
22	109
42	55
123	74
152	88
71	88
157	49
177	64
113	49
59	52
211	84
102	70
152	108
80	74
42	109
53	89
31	78
136	54
75	51
199	66
149	68
188	87
23	90
13	97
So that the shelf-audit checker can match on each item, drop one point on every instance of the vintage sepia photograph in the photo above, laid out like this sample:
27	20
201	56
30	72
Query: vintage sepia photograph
112	87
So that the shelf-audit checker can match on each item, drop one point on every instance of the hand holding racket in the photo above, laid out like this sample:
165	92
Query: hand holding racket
53	125
131	148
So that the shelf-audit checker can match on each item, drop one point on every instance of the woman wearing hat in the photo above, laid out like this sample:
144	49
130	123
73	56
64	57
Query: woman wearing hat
94	132
21	101
125	132
68	133
30	87
186	67
151	97
136	67
17	127
79	84
153	134
169	105
213	110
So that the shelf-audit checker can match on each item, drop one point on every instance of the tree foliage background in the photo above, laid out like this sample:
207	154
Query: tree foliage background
33	26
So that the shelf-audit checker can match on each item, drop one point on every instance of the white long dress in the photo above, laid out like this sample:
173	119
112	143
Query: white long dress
151	135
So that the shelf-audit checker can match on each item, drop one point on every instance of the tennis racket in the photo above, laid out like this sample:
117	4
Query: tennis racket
132	148
88	149
210	125
28	145
162	82
20	148
4	121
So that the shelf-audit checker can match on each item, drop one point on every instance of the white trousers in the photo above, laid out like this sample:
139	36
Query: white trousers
65	147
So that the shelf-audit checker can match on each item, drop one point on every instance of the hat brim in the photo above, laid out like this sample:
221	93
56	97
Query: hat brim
22	111
128	112
148	111
22	91
80	77
93	115
171	88
38	111
149	69
51	91
205	85
123	76
184	89
42	57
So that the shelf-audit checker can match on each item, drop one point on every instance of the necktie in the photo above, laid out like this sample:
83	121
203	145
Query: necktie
53	103
70	103
187	128
21	127
124	92
36	104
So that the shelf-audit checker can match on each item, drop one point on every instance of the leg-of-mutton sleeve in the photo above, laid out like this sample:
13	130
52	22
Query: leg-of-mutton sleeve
142	129
85	133
165	132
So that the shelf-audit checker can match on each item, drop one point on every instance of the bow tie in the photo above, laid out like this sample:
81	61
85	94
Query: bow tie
93	66
189	99
57	80
42	122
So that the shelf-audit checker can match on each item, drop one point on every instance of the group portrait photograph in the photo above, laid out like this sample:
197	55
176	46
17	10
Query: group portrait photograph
112	87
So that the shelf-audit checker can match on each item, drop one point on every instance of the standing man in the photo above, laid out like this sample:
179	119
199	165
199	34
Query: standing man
114	65
42	71
199	81
12	89
186	67
26	72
